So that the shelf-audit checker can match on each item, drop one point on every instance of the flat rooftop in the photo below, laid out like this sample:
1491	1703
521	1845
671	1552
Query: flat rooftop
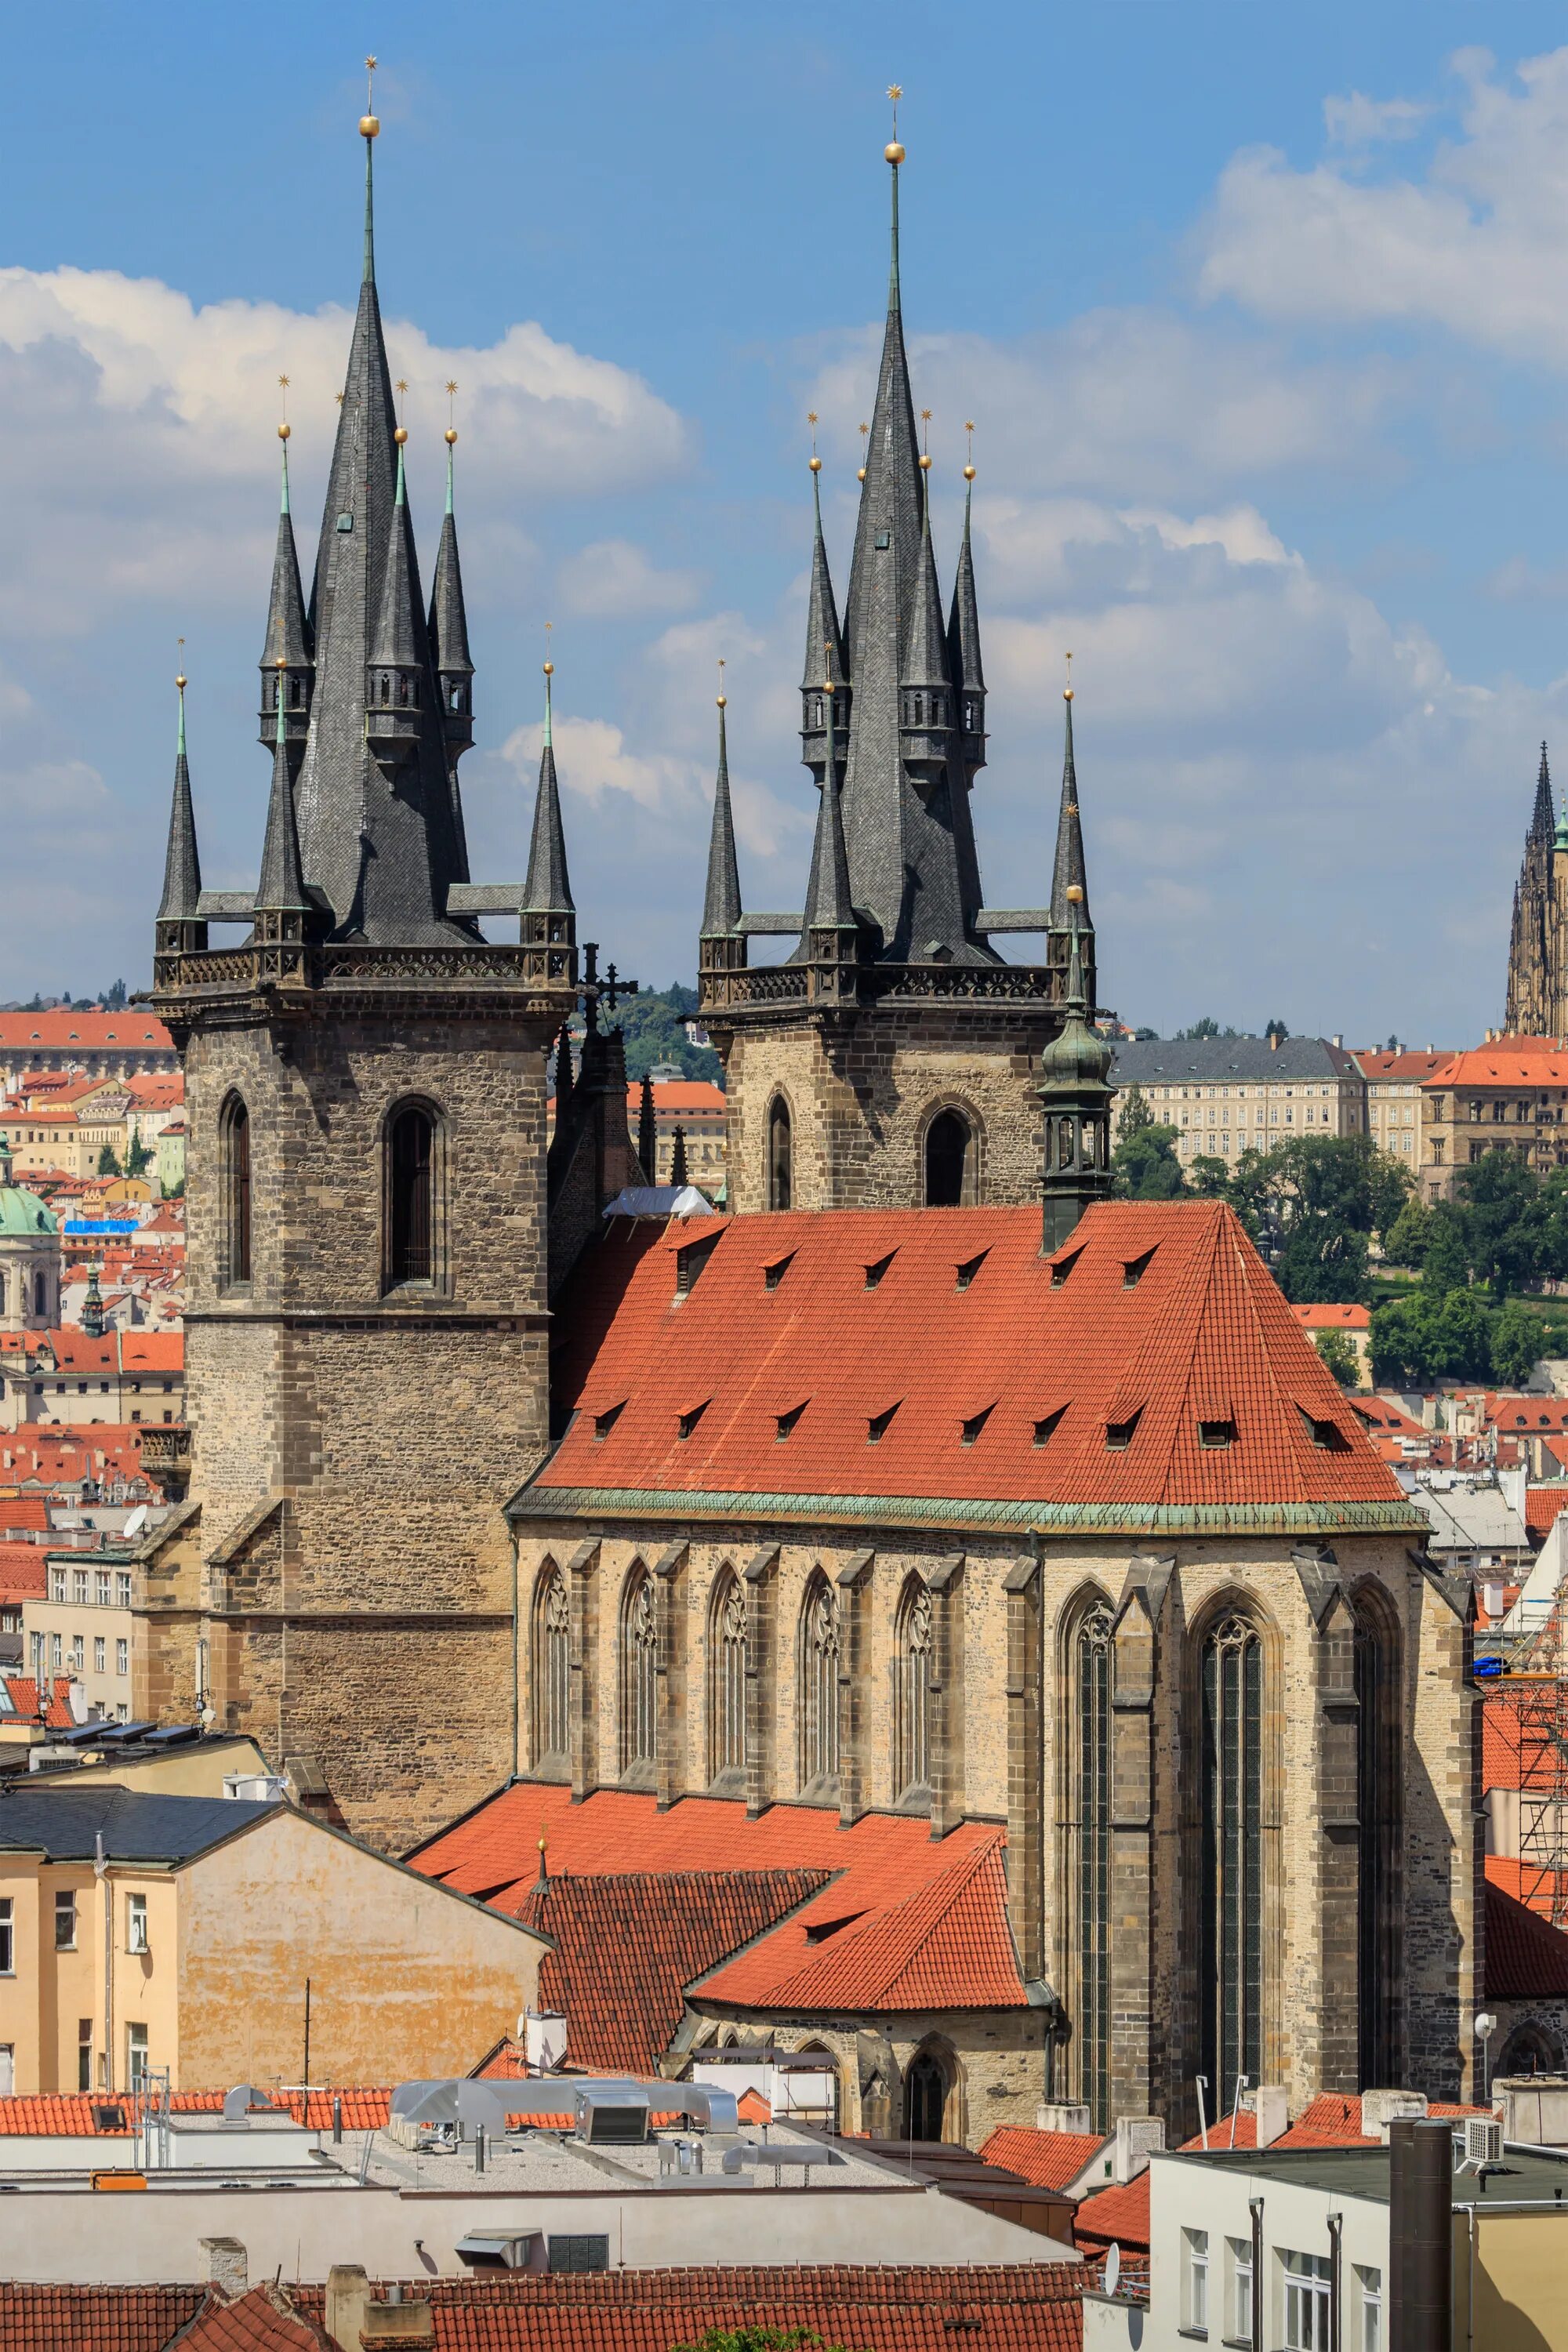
1524	2176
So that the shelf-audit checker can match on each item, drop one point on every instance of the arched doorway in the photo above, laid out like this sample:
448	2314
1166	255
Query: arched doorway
925	2096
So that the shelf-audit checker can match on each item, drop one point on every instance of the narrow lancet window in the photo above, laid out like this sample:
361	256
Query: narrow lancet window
1231	1856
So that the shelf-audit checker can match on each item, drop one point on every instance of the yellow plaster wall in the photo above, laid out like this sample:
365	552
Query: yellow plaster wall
1521	2262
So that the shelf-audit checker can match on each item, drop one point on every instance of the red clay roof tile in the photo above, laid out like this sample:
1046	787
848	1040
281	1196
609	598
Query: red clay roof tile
1050	2159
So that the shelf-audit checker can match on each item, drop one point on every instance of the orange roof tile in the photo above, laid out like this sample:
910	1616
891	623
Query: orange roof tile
1023	1334
22	1690
24	1575
93	2318
1527	1956
1508	1061
265	2319
1333	1318
1518	1718
1542	1505
925	1922
92	1031
1050	2159
678	1097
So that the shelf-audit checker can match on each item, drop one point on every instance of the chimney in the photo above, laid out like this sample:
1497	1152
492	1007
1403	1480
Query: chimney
348	2292
1136	2138
1274	1041
1337	1039
225	2264
1420	2233
1270	2112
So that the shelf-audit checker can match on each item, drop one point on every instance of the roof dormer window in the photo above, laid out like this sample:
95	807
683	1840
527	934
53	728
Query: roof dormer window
604	1422
970	1430
1119	1434
690	1417
878	1268
1135	1268
774	1274
1214	1436
970	1268
1062	1266
690	1261
785	1422
877	1425
1047	1424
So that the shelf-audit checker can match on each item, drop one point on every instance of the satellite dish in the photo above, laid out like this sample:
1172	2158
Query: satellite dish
1112	2268
137	1519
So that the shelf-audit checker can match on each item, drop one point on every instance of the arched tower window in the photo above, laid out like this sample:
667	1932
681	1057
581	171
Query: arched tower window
925	2096
1379	1814
551	1669
1231	1854
727	1678
639	1672
1088	1789
411	1171
821	1635
911	1728
234	1187
40	1294
781	1158
948	1157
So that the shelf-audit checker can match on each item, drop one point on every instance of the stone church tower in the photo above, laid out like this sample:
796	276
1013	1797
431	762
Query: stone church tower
368	1198
891	1059
1538	945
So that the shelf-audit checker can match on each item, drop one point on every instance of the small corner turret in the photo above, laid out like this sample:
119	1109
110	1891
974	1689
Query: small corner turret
288	662
448	625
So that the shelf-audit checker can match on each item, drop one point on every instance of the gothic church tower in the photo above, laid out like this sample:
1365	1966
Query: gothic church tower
367	1371
1538	945
891	1060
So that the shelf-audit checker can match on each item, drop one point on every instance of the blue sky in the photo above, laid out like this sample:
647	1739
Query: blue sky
1262	316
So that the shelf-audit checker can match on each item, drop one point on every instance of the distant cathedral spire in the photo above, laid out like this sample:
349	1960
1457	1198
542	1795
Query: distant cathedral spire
280	901
722	904
177	911
1537	1003
964	663
1069	870
549	912
1544	817
287	669
822	630
449	627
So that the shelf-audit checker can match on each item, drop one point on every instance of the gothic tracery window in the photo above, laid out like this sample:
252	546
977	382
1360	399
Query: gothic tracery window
411	1176
911	1770
781	1171
639	1673
234	1149
821	1635
1231	1858
1089	1770
1379	1813
727	1678
551	1669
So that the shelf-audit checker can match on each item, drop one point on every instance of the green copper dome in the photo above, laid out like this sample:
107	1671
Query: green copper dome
21	1211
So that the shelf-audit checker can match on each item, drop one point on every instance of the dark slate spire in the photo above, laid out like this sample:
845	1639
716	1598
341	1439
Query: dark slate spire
288	633
394	670
721	905
647	1131
383	849
449	630
828	905
548	890
678	1175
281	890
182	865
1068	873
822	631
924	692
1543	820
964	663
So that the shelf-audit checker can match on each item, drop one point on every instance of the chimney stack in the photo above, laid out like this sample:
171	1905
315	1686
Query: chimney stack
1420	2233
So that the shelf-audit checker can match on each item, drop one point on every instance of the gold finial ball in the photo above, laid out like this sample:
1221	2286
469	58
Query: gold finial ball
723	702
1066	694
969	473
860	473
181	681
894	154
815	462
400	434
281	662
925	461
369	126
284	430
1075	894
549	669
451	435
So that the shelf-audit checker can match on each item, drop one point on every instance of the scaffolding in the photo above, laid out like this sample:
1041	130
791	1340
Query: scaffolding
1537	1691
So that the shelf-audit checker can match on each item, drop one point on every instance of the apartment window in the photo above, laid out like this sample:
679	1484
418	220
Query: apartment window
122	1584
123	1657
65	1922
79	1654
1367	2321
135	2054
57	1654
1239	2322
79	1586
99	1654
100	1588
136	1922
1195	2281
1308	2297
84	2053
8	1937
57	1584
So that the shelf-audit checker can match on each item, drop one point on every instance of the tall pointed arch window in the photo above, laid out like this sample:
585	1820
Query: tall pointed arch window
949	1160
1379	1813
913	1726
1231	1854
234	1189
780	1156
411	1195
727	1679
1087	1790
821	1638
551	1676
639	1673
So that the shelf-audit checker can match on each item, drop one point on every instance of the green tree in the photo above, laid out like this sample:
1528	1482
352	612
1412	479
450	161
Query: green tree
109	1161
1322	1262
138	1160
1404	1342
1340	1358
1134	1115
1464	1336
1207	1027
1209	1177
755	2339
1275	1030
1445	1262
1518	1342
1505	1220
1146	1167
1404	1243
654	1027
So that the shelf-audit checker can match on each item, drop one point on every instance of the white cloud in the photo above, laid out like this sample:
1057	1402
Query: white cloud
613	580
1359	122
140	458
1475	244
592	761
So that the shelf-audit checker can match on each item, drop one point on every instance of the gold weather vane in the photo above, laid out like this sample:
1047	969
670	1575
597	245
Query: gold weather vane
180	680
549	665
827	665
451	422
813	461
401	435
723	698
1067	690
892	151
863	430
368	125
284	428
925	440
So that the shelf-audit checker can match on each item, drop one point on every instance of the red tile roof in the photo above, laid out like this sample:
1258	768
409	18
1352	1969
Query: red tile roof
24	1511
24	1575
1332	1317
1542	1505
1508	1409
267	2319
906	1923
93	2318
628	1946
1507	1061
1527	1958
1519	1721
967	1319
22	1690
1534	1885
983	2307
1050	2159
76	2114
678	1099
92	1031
